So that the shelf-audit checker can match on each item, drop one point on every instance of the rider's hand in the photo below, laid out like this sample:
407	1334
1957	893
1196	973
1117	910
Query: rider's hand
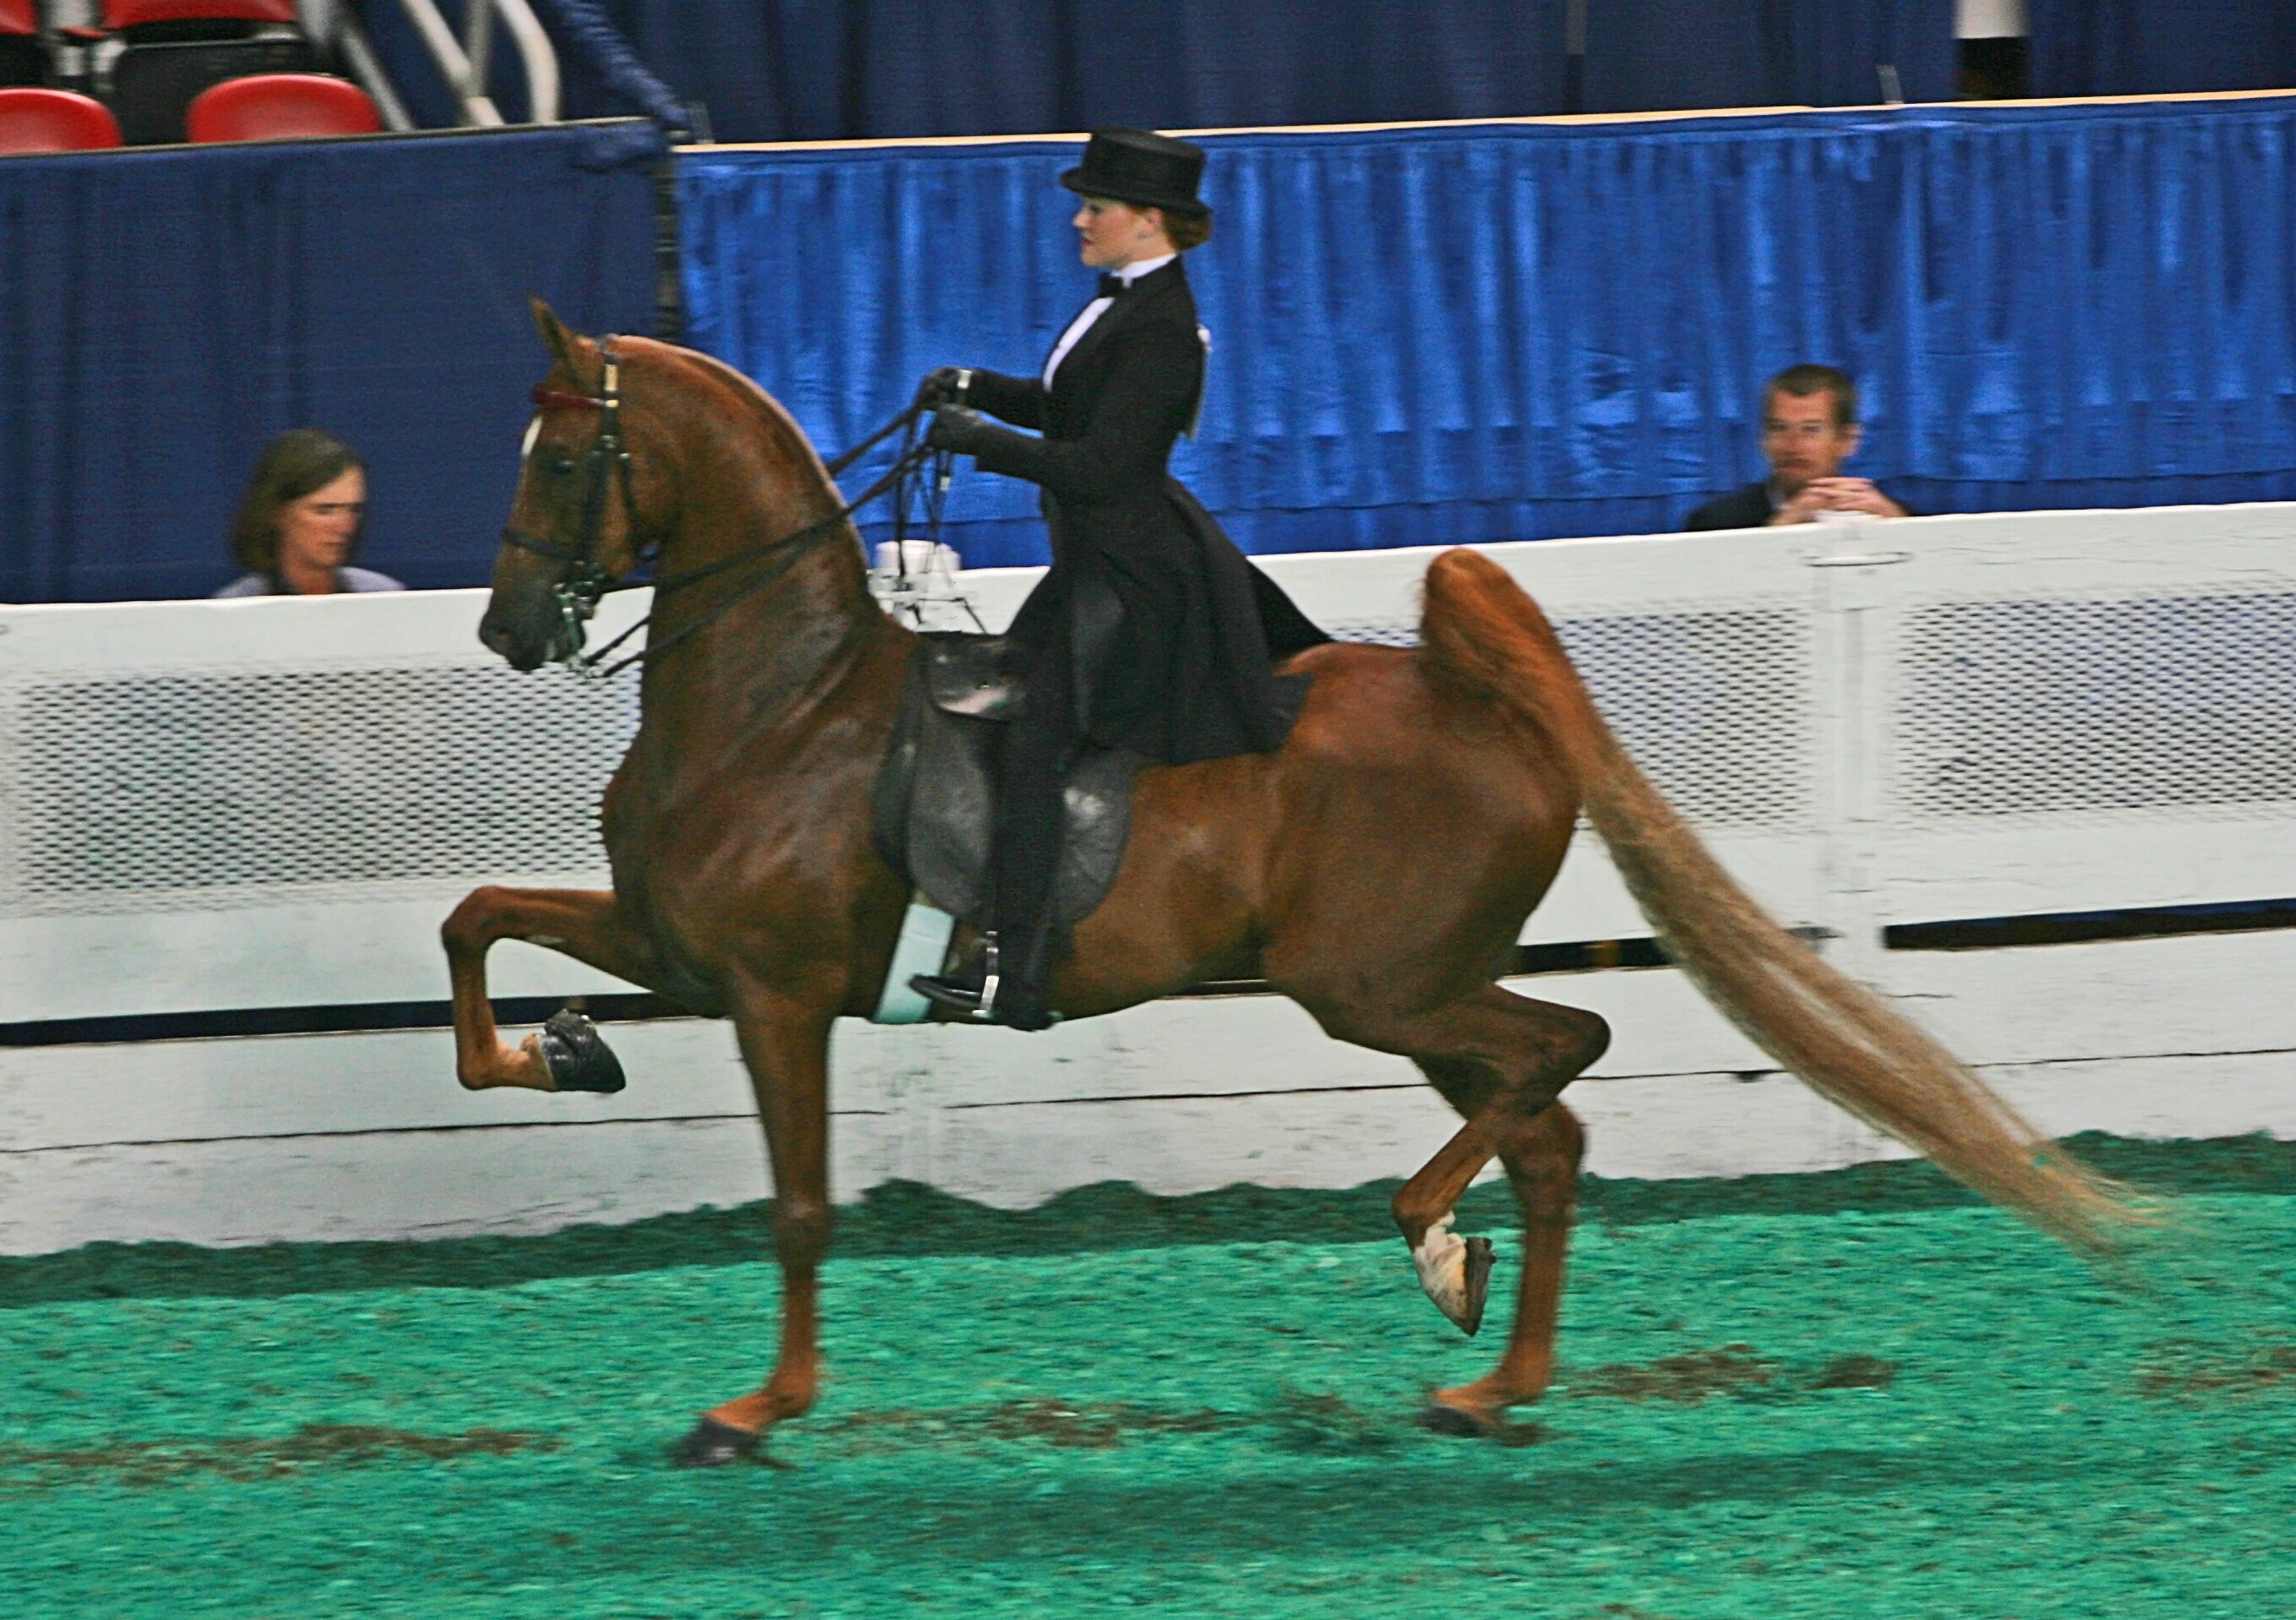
955	428
939	387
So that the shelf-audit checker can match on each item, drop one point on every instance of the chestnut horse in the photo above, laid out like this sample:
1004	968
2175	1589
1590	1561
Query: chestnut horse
1377	869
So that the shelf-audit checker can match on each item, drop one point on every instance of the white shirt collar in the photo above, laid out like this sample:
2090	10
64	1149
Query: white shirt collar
1134	270
1093	311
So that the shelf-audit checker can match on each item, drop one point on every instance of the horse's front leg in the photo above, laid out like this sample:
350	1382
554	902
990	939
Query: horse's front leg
586	924
785	1044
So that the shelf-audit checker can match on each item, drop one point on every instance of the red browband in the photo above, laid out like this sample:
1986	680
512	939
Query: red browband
550	399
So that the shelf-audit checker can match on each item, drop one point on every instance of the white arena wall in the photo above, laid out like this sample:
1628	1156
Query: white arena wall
211	806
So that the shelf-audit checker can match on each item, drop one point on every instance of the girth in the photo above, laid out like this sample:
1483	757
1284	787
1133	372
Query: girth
936	797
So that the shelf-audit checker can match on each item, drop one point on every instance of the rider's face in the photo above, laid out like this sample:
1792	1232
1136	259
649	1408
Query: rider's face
1114	235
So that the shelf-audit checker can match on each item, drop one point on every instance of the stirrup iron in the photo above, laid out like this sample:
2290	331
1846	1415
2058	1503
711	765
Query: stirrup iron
989	974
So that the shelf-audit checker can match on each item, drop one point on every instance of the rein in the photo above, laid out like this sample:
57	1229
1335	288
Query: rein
610	468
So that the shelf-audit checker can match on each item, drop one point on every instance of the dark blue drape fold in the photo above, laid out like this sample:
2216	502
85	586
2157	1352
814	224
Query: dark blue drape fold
2143	47
830	70
1665	56
836	69
1513	332
163	314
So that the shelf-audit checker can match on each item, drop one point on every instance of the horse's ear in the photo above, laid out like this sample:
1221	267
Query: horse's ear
555	331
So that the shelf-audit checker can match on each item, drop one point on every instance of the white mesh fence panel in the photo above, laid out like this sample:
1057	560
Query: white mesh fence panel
2020	708
1714	703
166	788
182	788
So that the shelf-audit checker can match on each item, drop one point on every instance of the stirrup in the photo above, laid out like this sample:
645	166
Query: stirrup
988	975
973	1002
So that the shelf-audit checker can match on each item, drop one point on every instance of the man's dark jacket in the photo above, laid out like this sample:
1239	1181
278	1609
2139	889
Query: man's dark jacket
1746	508
1173	631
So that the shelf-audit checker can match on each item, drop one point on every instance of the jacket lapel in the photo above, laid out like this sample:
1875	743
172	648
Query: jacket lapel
1076	367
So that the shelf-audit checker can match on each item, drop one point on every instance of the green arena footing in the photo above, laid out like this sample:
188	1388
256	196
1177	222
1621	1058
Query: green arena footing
1853	1395
906	1219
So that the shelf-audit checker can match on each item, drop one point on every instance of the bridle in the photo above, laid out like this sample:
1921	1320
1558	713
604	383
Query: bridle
607	468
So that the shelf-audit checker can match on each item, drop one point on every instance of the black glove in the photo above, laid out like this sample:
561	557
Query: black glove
955	428
939	387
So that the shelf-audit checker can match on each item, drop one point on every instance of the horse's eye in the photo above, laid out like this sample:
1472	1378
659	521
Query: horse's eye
561	465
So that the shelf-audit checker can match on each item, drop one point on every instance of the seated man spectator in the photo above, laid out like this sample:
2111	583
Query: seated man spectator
1809	428
301	515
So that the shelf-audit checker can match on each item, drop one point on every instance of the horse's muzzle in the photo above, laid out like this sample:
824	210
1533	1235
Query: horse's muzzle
523	640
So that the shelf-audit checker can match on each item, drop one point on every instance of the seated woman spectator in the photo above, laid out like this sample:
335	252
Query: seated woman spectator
300	519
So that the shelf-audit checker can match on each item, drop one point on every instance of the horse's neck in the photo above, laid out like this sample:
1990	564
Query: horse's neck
762	640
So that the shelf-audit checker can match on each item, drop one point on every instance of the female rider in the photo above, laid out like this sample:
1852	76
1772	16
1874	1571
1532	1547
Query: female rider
1150	632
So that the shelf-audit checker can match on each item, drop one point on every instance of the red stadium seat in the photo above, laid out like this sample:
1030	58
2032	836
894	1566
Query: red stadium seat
281	106
18	17
53	120
138	13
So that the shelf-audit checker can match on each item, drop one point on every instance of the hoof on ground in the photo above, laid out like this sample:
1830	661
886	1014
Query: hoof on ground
713	1445
1437	1418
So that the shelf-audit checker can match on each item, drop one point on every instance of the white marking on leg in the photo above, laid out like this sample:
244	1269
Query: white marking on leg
1440	1259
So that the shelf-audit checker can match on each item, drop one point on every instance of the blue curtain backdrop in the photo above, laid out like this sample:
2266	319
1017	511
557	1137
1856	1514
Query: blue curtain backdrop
1666	56
1509	332
163	314
830	70
2140	47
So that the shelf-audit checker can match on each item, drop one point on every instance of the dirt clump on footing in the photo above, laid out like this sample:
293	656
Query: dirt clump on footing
312	1445
1688	1378
1098	1427
2187	1368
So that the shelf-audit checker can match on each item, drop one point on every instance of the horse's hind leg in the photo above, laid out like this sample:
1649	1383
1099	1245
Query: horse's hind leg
1542	1167
1501	1060
587	925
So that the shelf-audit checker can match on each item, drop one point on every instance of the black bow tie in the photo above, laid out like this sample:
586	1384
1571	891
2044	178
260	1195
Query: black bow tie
1113	285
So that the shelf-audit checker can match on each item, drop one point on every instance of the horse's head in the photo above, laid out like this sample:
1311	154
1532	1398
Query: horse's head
589	495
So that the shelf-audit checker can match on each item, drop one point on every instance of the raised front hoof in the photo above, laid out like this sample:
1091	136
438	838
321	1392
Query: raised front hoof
1438	1417
713	1445
578	1056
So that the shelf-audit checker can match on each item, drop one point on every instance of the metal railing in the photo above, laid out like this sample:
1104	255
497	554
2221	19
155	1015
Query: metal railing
463	62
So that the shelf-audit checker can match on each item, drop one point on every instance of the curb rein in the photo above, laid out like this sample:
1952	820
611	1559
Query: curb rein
610	468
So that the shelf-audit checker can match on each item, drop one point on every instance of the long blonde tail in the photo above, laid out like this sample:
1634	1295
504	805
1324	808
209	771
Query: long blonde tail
1483	634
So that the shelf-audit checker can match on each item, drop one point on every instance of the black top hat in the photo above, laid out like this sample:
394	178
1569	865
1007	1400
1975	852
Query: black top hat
1136	167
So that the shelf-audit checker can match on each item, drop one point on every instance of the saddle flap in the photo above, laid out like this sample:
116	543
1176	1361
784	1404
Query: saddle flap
936	803
975	676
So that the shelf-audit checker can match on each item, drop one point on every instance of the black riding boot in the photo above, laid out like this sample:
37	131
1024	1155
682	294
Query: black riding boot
1032	812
